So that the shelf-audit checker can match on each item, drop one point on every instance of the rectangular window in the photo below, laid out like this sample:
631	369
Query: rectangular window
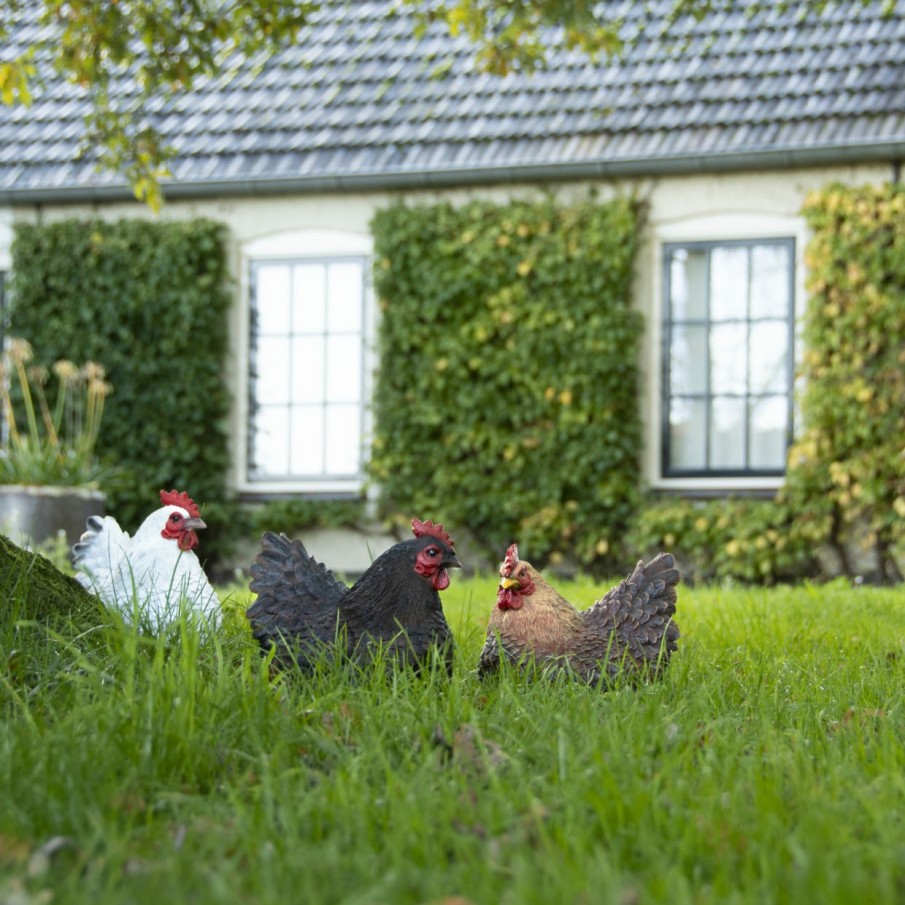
4	427
306	381
728	332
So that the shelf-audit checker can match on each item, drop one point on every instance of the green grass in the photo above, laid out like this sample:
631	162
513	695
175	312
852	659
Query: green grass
767	766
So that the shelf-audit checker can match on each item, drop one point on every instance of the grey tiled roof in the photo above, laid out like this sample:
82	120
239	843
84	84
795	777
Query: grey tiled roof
360	102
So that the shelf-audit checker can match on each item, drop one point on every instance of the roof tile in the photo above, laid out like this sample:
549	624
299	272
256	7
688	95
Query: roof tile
359	94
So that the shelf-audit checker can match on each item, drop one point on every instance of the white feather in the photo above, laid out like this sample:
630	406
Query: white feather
146	577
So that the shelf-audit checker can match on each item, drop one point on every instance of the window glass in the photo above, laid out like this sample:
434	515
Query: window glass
343	368
345	292
769	281
688	433
308	369
728	283
769	347
728	358
769	423
272	370
309	298
271	451
272	299
727	433
342	438
689	284
688	363
307	439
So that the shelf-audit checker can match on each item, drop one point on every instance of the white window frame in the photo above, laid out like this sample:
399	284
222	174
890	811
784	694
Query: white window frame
748	227
300	246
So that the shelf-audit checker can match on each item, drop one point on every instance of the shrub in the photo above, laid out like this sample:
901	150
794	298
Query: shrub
292	516
506	400
745	539
148	300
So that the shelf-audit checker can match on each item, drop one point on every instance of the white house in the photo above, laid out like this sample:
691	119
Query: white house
723	138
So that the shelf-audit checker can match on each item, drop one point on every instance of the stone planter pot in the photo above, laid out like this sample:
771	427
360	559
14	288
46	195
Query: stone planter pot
30	515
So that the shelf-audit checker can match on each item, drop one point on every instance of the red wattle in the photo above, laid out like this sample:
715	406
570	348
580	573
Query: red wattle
508	599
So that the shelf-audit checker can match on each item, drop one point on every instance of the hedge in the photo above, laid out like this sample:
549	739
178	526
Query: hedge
148	300
744	539
506	400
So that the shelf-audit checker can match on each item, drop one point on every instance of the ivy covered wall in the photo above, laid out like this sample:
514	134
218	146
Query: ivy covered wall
507	394
148	300
847	468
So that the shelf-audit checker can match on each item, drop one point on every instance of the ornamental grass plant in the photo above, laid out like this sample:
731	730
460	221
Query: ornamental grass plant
51	432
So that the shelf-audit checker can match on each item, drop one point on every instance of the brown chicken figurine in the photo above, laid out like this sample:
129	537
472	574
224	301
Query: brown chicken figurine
630	629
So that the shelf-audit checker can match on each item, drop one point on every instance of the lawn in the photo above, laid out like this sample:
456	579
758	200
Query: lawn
767	766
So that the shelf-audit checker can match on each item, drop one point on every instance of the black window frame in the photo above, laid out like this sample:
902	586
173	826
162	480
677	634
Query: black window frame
668	323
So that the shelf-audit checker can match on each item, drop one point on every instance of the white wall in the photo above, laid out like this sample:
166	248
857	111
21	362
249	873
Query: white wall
739	205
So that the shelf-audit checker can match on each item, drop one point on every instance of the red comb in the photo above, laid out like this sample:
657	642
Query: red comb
429	529
174	498
510	562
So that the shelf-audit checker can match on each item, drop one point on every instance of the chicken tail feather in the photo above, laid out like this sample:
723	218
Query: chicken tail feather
639	612
297	595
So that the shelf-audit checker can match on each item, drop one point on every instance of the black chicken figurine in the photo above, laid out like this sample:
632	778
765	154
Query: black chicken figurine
303	610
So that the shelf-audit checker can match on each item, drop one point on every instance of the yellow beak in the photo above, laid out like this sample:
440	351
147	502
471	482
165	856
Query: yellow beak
507	584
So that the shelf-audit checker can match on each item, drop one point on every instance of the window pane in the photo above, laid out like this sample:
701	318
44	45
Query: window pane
343	369
769	419
272	299
308	369
728	283
343	452
309	298
688	285
770	267
271	442
308	440
344	287
728	358
688	433
688	360
769	357
272	366
727	433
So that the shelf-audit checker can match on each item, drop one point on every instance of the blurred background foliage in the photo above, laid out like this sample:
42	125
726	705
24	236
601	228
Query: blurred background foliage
506	401
149	301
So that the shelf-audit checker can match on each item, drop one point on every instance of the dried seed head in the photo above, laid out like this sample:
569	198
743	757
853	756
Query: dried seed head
66	370
19	351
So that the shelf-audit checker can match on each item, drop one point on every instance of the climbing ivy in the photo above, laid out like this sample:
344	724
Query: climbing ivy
847	469
506	400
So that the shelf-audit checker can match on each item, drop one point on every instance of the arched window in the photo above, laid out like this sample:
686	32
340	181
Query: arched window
308	326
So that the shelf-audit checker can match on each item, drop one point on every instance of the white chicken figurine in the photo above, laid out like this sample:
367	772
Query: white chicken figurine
154	575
